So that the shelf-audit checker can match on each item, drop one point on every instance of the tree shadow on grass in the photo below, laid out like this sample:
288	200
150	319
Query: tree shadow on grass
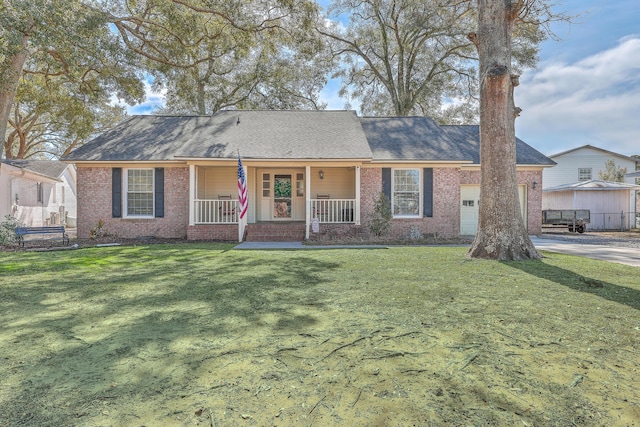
610	291
145	327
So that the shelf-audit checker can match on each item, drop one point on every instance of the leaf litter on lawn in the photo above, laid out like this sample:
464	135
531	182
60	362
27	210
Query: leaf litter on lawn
200	335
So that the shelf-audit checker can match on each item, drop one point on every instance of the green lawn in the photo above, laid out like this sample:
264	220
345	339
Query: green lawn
201	334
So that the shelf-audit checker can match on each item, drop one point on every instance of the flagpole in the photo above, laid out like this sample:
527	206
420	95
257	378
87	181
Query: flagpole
243	199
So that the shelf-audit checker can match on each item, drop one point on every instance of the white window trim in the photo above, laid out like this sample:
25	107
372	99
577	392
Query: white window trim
420	193
580	174
125	193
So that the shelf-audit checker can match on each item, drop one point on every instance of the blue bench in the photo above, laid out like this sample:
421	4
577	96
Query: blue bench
24	231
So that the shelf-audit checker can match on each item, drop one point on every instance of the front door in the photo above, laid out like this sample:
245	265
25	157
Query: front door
282	196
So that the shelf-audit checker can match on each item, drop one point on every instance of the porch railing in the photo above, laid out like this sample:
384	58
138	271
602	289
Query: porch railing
216	211
333	210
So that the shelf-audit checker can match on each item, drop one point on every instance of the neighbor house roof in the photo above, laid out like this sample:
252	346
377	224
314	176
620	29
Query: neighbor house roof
285	135
591	147
290	135
593	185
47	168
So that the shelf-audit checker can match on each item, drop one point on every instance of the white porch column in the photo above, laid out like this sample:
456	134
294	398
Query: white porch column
307	201
192	194
357	212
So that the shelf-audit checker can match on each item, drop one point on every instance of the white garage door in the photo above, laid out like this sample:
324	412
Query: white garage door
469	202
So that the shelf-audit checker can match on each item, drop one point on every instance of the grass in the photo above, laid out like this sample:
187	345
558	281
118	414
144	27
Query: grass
200	333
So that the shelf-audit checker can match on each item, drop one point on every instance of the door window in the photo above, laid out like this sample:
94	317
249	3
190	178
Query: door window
282	196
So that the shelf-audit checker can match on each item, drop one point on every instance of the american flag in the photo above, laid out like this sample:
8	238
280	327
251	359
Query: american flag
242	190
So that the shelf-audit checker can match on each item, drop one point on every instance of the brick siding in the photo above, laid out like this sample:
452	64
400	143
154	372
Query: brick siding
445	221
534	196
216	232
94	204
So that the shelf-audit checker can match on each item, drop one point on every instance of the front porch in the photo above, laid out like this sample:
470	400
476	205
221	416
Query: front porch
300	198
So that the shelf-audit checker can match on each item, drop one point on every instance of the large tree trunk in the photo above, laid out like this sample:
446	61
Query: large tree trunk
10	73
502	234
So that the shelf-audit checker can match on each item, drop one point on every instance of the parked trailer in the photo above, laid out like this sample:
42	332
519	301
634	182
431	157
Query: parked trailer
575	220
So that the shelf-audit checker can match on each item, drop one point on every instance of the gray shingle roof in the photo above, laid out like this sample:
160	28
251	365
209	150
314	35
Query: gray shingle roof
49	168
421	138
410	138
290	135
256	134
467	137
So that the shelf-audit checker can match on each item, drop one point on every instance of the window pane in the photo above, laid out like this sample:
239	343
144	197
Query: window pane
140	203
140	192
406	192
406	204
584	174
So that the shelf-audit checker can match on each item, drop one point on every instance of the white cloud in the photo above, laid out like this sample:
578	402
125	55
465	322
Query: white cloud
153	100
595	101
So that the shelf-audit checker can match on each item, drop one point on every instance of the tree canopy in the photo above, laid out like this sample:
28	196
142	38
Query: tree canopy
413	57
227	54
63	63
62	66
612	172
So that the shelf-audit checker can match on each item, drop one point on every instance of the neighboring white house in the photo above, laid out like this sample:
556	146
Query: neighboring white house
574	184
582	164
38	192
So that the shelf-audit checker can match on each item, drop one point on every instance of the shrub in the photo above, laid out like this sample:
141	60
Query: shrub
380	224
98	231
8	229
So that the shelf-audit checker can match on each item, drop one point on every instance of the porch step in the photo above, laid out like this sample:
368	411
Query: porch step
275	232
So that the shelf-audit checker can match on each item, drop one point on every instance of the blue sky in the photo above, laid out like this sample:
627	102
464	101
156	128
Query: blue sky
585	90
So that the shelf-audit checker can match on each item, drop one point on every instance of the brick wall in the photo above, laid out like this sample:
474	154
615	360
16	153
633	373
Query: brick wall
534	196
94	204
218	232
446	202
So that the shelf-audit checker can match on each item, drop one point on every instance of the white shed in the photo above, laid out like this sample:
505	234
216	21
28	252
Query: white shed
612	204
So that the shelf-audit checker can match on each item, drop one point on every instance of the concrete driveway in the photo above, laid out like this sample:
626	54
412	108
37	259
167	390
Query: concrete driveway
622	255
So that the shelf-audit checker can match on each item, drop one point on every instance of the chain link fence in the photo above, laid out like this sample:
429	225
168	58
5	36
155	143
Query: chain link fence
613	221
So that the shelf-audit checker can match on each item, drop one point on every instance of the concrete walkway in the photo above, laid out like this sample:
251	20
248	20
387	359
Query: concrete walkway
299	245
628	256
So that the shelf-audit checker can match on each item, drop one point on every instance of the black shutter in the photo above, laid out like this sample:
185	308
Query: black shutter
427	190
158	197
386	183
116	192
